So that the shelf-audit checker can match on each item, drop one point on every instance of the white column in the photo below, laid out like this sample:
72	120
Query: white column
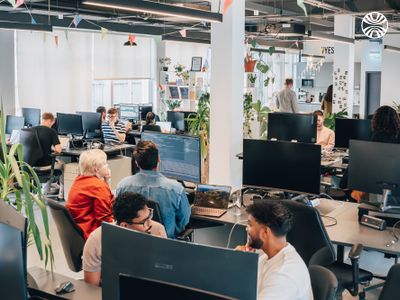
227	73
343	66
159	49
7	74
390	71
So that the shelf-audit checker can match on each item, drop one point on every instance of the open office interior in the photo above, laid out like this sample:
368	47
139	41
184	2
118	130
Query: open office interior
199	149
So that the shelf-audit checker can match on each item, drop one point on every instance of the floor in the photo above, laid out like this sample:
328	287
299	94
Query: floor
369	260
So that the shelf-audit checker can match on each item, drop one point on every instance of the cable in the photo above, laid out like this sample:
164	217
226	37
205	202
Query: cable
230	233
334	220
395	236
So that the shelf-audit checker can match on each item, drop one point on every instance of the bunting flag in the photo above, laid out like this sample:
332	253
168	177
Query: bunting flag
300	3
12	2
56	40
131	39
104	32
227	4
182	32
33	21
77	19
19	3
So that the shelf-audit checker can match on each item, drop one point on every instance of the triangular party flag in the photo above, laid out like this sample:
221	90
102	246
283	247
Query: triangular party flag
131	39
33	21
56	40
182	32
19	3
227	4
300	3
12	2
77	19
66	34
104	32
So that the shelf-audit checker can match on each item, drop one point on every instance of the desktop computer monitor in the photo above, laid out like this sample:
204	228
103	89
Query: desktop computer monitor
180	155
69	124
14	123
217	270
32	116
177	120
91	123
373	165
129	112
351	129
288	127
144	110
13	274
282	165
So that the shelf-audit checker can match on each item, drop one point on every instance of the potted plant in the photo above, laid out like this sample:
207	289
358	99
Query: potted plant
20	187
199	125
259	125
173	104
247	114
251	77
330	118
185	76
179	68
165	62
249	64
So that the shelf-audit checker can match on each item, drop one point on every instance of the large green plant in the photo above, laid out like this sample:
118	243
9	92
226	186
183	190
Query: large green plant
261	113
330	119
199	124
247	113
21	188
172	103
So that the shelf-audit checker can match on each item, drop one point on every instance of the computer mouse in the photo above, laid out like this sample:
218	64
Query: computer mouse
65	287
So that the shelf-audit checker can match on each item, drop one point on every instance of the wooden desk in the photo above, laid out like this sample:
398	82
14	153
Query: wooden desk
42	283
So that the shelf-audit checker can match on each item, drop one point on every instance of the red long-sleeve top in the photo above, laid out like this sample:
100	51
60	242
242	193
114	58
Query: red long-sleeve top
90	203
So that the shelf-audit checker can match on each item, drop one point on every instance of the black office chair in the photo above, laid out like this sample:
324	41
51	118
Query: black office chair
391	289
324	283
313	244
151	127
70	233
185	235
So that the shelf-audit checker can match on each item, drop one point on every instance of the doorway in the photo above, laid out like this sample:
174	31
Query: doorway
372	92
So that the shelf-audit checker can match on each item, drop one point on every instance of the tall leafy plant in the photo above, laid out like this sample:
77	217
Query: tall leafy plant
261	113
330	119
21	188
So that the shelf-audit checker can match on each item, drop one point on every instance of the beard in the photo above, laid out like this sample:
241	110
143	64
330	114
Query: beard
255	243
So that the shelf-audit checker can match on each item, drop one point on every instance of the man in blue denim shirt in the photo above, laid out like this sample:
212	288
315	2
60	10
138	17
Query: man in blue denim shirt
170	195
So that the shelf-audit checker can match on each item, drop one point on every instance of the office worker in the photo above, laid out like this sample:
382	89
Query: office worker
90	199
114	130
325	136
326	104
287	99
282	273
385	125
149	182
151	123
130	211
102	110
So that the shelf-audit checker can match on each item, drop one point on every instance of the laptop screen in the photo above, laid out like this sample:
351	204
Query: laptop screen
214	196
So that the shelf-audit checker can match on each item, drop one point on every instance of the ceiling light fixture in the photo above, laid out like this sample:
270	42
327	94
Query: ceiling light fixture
267	51
391	48
185	39
330	37
25	26
158	9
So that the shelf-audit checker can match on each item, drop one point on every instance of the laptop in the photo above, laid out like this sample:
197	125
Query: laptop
165	126
211	200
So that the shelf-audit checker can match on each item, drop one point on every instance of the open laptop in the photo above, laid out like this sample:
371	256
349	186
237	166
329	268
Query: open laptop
211	200
165	126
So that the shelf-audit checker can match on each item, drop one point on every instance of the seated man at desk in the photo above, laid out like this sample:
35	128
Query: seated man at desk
149	182
282	273
130	211
114	131
325	136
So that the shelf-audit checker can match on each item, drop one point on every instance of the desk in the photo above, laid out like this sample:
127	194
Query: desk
108	149
42	283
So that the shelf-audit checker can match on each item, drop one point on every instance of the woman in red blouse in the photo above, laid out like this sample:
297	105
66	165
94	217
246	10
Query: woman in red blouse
90	199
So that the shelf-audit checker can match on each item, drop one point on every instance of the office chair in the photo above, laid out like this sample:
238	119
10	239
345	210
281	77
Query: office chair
151	127
391	289
324	283
313	244
70	233
185	235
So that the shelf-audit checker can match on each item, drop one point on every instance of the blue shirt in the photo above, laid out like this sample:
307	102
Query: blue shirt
170	195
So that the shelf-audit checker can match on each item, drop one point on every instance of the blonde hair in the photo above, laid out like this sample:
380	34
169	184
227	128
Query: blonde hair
90	160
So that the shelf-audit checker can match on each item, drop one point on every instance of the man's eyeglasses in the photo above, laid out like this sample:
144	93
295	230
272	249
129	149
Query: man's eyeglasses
145	221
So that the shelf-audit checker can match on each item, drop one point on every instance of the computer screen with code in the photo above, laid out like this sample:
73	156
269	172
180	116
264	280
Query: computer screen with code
179	155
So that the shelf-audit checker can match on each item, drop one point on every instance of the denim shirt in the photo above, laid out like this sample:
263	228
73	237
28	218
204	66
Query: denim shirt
170	195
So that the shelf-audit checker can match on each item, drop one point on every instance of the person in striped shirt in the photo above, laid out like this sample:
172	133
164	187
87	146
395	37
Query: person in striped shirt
113	129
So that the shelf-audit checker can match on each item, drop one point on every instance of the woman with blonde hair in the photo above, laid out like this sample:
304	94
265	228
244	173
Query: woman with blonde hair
90	199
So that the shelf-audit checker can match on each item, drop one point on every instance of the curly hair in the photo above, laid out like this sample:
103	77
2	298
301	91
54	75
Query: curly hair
386	120
127	205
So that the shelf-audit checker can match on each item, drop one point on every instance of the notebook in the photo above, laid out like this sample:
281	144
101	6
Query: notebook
211	200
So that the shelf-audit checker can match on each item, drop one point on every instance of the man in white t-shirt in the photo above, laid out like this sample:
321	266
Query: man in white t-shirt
282	274
130	211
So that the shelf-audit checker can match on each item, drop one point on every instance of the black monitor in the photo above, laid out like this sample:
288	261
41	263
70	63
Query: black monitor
144	110
373	165
351	129
13	228
32	116
180	155
177	120
129	112
14	123
156	289
282	165
69	124
288	127
216	270
91	123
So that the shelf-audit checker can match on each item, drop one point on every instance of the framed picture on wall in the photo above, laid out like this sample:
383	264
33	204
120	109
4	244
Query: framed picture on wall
173	92
196	64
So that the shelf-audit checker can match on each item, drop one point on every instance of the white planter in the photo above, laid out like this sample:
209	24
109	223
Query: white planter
255	130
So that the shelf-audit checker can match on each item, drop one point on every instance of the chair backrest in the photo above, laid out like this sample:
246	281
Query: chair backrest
155	128
324	283
32	148
391	289
70	233
308	235
156	210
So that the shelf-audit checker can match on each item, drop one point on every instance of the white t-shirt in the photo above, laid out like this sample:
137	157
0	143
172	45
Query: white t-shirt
283	277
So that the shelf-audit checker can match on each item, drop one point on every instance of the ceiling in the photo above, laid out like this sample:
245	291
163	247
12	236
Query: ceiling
264	18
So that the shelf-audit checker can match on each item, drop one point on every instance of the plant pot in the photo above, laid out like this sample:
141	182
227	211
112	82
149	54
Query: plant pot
255	127
249	66
165	69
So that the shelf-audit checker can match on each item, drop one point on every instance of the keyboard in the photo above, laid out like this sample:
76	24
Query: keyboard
208	211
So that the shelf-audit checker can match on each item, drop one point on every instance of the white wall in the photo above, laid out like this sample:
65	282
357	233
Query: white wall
182	53
7	73
390	71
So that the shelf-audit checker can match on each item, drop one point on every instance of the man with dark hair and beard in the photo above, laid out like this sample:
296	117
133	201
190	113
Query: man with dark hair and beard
282	274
